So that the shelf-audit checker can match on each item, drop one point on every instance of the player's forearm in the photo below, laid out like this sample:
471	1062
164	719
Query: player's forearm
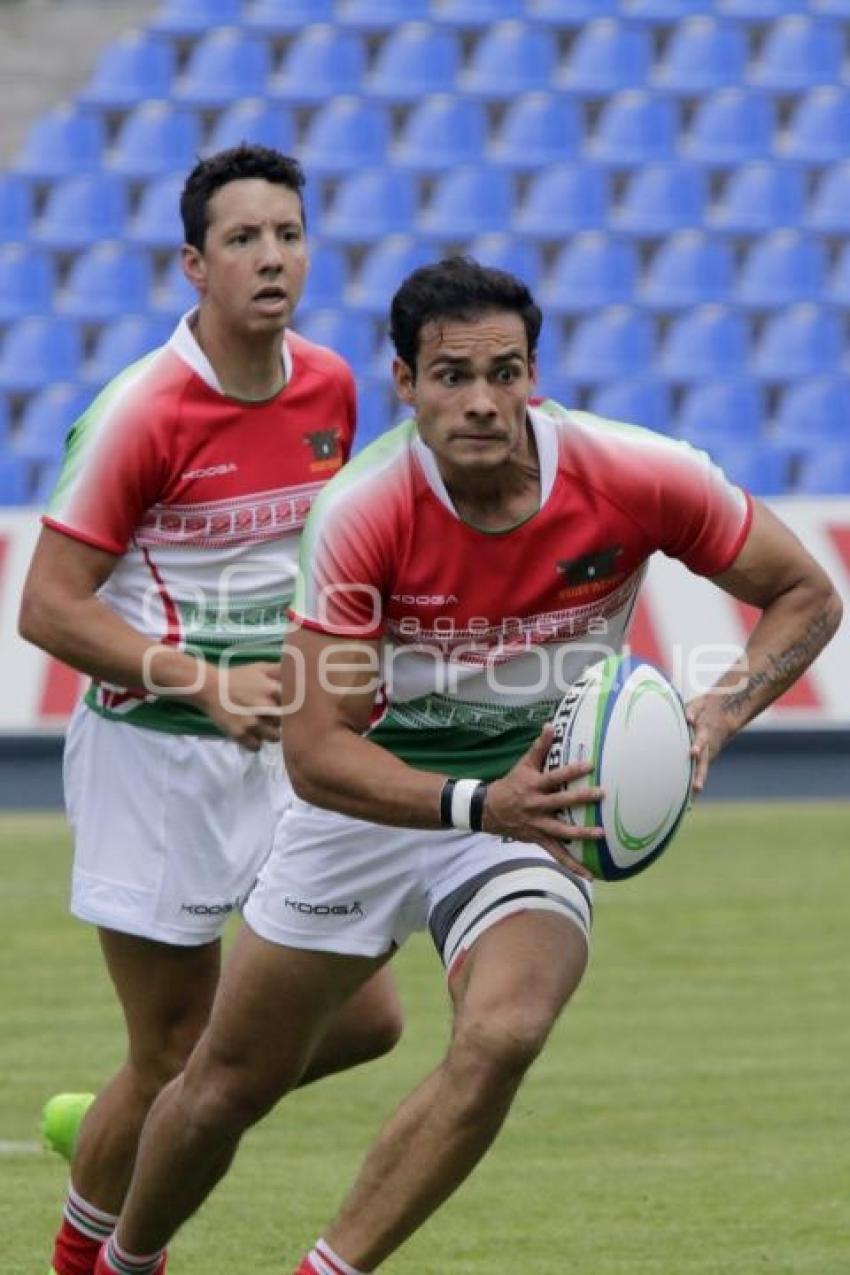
791	632
90	637
346	772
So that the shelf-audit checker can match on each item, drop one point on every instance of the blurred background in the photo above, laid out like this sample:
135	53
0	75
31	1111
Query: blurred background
672	178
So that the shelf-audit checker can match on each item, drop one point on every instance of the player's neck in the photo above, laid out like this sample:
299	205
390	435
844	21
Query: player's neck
248	367
498	499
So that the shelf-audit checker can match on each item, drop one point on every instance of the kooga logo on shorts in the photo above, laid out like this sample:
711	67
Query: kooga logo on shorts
323	909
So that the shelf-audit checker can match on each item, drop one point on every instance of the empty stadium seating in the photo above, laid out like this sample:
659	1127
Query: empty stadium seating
670	176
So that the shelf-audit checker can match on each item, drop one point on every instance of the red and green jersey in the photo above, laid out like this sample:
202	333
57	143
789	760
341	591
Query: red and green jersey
482	633
204	498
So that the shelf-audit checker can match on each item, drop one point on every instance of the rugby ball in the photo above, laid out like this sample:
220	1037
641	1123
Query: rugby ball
629	720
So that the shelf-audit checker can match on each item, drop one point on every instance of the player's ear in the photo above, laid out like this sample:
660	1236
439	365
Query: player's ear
405	382
194	267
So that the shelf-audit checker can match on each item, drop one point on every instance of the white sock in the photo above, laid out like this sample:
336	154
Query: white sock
85	1218
327	1262
129	1263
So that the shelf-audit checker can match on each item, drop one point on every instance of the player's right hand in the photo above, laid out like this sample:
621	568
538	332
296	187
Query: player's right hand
245	702
524	804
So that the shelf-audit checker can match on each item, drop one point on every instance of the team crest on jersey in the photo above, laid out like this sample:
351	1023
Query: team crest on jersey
591	568
324	444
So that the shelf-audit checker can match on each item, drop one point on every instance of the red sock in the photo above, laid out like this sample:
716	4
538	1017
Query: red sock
83	1231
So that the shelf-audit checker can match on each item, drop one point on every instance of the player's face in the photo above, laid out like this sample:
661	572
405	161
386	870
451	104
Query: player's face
254	262
471	389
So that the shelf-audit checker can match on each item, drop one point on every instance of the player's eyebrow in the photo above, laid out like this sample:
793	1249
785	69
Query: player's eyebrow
463	360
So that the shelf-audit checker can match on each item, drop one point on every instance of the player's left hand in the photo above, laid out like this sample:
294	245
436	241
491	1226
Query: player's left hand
709	732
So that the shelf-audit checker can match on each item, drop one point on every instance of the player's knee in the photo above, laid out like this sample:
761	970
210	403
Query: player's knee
497	1050
156	1062
226	1098
383	1031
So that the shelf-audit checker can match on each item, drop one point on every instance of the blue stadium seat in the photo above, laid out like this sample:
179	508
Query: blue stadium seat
383	270
555	385
761	467
780	268
345	134
664	11
27	281
157	222
561	199
379	15
416	59
661	198
62	143
157	139
36	352
802	340
175	294
757	10
691	267
502	251
760	196
826	473
538	129
107	282
569	13
831	8
592	270
132	69
615	342
634	128
829	209
466	202
180	18
814	411
640	400
551	354
16	207
706	342
334	329
818	128
732	408
607	57
798	51
441	132
838	285
702	55
510	58
369	205
326	279
83	210
5	424
47	418
226	64
321	62
471	14
731	126
285	17
377	410
252	119
14	480
123	342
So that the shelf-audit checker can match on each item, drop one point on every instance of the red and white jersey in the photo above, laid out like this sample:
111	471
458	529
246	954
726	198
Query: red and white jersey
482	633
204	497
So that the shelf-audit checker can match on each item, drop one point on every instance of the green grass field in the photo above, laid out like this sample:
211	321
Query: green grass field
688	1118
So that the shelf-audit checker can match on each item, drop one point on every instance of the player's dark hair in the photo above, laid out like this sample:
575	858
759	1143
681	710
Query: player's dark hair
239	163
457	288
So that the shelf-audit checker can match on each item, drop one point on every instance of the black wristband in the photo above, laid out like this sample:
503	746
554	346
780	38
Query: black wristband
476	807
446	803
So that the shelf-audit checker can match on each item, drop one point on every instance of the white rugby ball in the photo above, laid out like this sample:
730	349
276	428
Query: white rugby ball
629	720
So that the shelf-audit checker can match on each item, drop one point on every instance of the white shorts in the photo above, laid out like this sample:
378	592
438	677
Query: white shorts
170	831
336	884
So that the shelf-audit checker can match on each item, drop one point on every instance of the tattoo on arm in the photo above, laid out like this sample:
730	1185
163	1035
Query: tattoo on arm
781	669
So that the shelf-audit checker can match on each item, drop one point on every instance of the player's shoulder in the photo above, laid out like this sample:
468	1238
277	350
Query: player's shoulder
318	359
377	479
140	394
614	448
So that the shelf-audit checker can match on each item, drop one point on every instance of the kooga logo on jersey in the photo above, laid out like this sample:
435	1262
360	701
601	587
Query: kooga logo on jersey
211	471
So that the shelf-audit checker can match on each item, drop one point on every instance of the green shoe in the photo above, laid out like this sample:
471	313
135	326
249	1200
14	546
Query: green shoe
61	1120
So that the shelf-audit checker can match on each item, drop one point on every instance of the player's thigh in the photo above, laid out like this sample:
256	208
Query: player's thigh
170	831
166	993
274	1005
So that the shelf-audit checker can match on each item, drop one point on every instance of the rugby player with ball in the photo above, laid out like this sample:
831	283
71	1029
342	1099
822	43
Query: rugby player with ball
456	579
